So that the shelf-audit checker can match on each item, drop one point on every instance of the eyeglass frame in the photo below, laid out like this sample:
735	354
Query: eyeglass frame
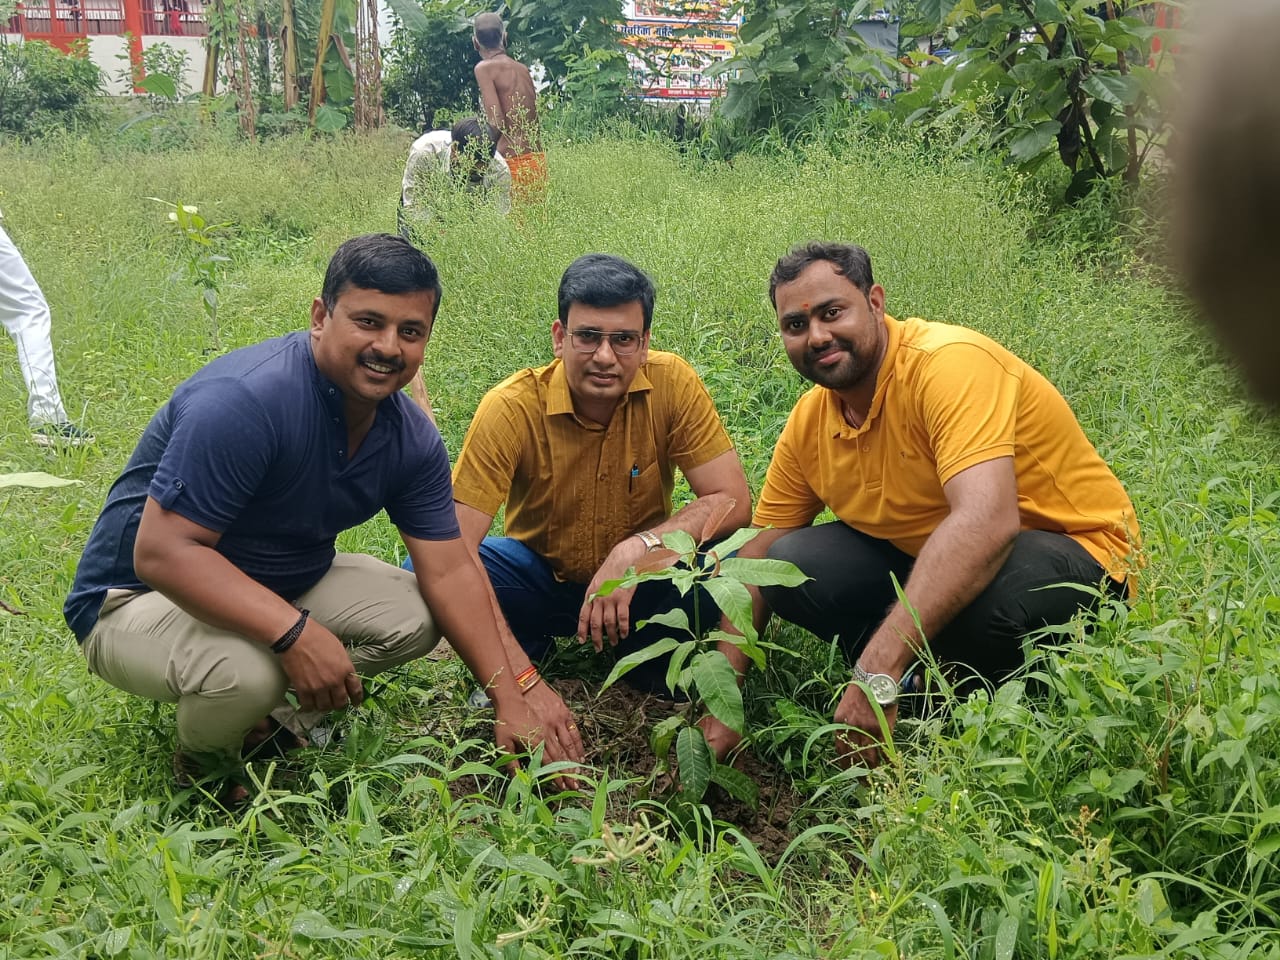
604	335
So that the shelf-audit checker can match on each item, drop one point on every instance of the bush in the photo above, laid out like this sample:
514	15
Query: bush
430	70
43	89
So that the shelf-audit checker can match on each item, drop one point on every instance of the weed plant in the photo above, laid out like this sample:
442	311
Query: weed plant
1122	799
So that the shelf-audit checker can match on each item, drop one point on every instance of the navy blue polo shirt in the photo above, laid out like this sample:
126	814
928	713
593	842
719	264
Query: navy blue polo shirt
253	446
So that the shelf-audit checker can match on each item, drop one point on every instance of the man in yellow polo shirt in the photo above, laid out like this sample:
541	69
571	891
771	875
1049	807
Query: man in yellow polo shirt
949	464
583	453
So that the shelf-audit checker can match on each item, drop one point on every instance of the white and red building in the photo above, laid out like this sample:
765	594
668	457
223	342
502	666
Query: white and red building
112	29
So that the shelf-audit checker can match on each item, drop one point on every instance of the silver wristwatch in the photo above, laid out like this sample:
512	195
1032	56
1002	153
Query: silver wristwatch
650	539
882	686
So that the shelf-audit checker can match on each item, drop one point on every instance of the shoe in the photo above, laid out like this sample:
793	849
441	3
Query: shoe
65	434
189	773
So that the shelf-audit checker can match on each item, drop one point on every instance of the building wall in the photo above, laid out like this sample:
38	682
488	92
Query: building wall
106	51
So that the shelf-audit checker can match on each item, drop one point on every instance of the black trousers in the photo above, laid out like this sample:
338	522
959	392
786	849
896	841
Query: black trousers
851	591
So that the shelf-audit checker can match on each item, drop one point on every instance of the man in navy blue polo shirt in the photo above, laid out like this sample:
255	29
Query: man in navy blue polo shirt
211	579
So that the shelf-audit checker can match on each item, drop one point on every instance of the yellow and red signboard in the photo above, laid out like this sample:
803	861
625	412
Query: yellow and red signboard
672	43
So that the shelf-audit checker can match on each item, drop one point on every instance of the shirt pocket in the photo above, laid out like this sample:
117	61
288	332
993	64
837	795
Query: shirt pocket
644	494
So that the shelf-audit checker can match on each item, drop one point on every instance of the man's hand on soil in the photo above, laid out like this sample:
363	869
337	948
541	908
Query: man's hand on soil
862	742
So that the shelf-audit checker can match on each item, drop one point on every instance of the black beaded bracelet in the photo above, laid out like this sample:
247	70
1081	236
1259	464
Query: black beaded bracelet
291	635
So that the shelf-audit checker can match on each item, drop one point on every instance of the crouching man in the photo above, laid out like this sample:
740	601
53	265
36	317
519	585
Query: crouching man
211	580
583	453
950	465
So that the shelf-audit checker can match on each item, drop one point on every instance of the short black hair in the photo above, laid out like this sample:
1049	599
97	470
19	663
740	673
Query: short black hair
850	260
382	262
464	131
603	280
488	31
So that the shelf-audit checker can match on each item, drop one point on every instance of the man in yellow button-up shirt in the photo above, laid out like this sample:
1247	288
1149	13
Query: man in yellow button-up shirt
583	453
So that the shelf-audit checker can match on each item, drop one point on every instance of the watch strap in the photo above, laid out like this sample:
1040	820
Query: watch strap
650	539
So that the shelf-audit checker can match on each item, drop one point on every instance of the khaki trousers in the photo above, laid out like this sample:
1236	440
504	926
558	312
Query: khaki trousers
223	683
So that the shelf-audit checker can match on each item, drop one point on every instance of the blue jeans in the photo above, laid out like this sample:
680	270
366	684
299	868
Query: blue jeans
539	608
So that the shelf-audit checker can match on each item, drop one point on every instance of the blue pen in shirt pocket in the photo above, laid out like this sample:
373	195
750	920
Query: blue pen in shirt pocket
635	472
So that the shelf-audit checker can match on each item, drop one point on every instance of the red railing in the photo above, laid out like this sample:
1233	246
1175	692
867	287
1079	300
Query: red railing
68	18
174	18
60	21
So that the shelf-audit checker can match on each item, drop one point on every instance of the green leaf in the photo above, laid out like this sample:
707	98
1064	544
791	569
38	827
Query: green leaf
1031	143
116	939
1048	11
663	733
679	541
1114	88
763	573
696	762
329	119
750	647
37	479
736	541
734	602
411	15
1006	937
737	784
717	684
675	618
633	660
159	85
676	666
609	586
934	11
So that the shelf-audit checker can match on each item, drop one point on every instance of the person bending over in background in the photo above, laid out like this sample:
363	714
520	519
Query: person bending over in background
466	153
583	453
210	580
24	314
950	465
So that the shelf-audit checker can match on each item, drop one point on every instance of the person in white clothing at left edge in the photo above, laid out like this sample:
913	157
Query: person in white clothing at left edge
24	313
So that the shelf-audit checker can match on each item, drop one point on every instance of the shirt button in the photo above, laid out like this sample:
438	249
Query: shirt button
178	484
331	391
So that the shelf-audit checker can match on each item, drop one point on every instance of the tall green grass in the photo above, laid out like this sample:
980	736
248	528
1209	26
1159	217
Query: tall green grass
1122	802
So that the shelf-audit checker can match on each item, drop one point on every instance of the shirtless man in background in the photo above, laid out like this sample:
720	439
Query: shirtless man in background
510	104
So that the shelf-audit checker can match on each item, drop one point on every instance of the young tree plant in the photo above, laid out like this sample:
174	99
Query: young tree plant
697	670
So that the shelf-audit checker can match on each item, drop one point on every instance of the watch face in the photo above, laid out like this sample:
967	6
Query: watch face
883	688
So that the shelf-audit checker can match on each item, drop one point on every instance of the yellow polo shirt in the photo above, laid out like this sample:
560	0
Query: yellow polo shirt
946	398
574	488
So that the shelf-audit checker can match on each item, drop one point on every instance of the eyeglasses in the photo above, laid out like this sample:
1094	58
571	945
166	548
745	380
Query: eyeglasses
622	344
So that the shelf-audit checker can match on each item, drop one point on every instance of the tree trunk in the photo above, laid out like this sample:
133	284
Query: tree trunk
322	47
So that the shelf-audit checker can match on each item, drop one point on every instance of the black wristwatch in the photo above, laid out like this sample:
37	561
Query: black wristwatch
882	686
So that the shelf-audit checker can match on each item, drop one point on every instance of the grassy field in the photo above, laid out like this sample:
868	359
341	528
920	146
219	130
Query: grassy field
1131	808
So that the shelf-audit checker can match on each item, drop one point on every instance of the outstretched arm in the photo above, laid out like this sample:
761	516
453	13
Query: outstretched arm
564	740
716	484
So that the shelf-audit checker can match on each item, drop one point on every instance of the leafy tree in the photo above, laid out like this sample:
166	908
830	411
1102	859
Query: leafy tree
1044	78
559	34
429	63
42	88
793	59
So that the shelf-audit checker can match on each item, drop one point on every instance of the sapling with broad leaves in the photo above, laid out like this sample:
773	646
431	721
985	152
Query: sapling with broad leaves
697	669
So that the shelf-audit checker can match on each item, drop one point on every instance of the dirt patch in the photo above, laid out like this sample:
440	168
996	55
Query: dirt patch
615	727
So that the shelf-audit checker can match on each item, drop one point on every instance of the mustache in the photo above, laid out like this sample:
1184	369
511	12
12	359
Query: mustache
373	356
837	343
